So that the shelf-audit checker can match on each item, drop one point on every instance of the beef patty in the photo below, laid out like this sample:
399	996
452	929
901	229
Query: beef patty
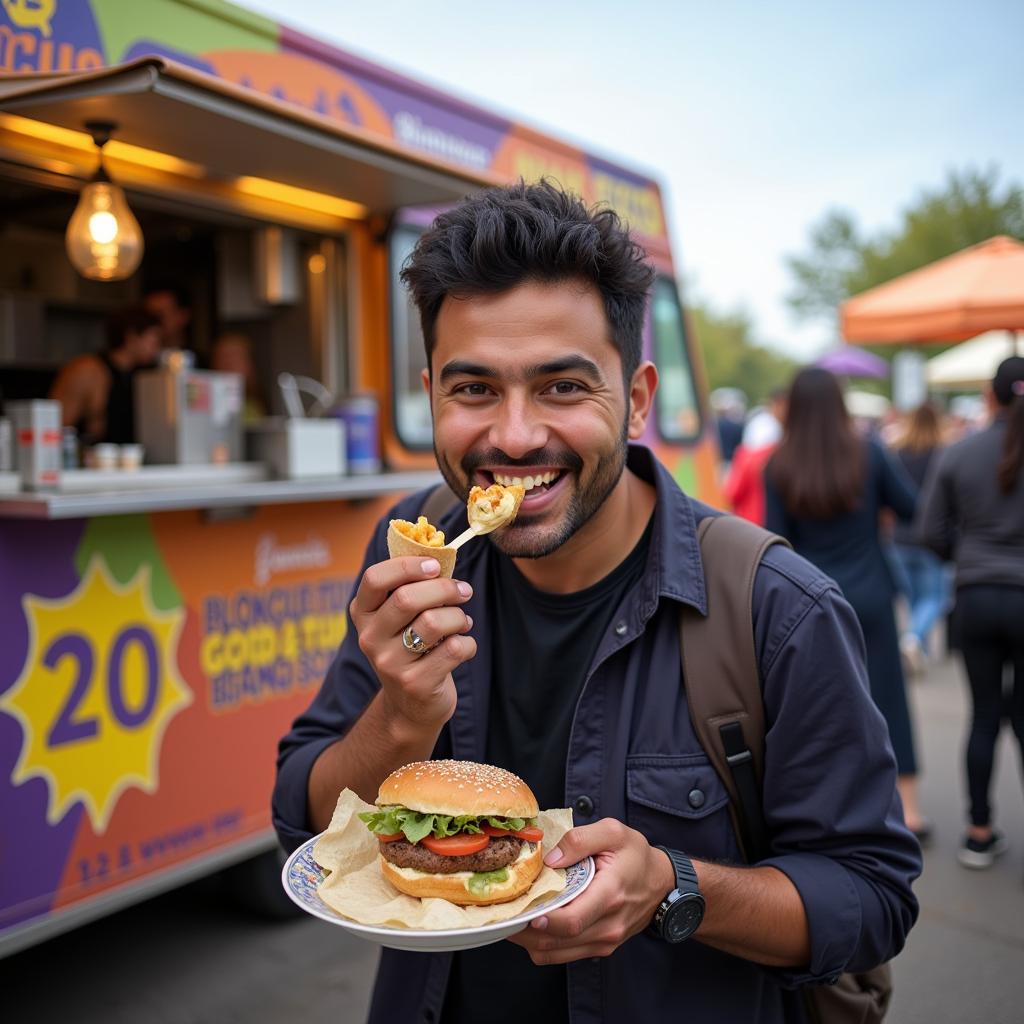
498	853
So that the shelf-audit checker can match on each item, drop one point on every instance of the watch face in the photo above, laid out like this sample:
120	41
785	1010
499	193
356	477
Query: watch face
683	917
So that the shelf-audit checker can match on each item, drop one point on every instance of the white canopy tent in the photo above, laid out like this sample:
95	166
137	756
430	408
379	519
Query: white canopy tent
972	364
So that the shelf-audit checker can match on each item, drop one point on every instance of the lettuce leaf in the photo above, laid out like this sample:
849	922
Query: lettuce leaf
416	826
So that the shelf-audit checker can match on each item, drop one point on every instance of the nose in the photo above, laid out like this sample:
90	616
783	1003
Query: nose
518	427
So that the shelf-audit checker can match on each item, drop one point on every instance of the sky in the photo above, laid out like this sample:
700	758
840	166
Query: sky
756	118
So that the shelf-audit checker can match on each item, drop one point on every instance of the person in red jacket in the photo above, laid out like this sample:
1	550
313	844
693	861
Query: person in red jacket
744	486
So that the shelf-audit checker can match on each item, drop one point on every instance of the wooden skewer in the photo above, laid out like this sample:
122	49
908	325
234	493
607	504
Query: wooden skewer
462	538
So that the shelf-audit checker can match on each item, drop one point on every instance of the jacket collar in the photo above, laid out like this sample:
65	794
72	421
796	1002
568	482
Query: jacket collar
675	569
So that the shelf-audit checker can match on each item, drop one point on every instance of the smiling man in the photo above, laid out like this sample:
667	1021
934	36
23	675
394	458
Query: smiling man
555	654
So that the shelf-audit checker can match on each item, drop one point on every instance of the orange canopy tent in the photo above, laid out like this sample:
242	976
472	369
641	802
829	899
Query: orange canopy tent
978	289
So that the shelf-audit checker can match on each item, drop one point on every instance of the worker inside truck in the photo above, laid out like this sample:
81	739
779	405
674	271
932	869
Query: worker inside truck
96	389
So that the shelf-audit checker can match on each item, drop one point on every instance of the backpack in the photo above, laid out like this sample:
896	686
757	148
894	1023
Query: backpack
723	690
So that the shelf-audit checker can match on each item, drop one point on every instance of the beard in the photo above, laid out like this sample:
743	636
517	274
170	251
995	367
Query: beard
529	538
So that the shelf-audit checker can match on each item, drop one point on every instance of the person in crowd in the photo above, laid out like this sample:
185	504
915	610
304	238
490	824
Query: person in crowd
744	484
555	654
973	508
825	488
730	407
764	428
171	305
922	571
232	353
95	390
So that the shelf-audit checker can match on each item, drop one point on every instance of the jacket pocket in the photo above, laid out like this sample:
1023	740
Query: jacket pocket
680	802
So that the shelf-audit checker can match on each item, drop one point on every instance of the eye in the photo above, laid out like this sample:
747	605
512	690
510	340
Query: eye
565	388
471	390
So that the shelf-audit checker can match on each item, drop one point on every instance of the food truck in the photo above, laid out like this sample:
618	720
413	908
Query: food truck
161	626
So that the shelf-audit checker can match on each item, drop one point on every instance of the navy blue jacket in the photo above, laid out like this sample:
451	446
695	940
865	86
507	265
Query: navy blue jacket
829	786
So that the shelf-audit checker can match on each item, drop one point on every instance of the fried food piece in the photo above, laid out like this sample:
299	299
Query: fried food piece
420	532
422	539
496	507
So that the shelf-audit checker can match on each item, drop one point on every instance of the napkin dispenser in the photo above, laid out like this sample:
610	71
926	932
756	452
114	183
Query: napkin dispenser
299	449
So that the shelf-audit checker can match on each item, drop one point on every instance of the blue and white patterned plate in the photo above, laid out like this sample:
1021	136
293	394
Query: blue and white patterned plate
302	875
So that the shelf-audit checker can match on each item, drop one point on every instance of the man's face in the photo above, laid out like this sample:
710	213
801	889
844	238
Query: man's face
173	318
527	387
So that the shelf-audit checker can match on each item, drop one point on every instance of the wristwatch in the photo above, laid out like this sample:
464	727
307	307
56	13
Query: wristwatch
680	913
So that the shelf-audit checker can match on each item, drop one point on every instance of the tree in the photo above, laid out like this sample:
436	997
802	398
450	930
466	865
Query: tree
970	207
733	358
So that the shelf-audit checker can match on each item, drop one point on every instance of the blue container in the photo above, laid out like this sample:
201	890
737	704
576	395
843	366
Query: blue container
360	414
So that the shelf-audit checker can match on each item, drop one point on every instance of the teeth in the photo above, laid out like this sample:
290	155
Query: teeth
526	482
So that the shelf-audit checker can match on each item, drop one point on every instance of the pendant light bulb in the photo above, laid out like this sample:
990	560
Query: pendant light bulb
103	238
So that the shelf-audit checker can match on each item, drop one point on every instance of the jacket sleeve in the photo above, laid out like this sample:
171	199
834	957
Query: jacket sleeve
937	513
898	490
830	799
347	689
776	518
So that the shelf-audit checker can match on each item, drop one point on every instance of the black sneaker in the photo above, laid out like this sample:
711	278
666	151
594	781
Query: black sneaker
979	853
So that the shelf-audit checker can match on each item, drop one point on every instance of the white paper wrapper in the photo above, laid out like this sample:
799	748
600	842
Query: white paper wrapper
356	889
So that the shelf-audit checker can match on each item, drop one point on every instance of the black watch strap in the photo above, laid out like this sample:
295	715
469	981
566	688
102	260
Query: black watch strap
686	875
679	914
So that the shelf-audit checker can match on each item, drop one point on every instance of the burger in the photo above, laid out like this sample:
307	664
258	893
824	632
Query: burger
457	831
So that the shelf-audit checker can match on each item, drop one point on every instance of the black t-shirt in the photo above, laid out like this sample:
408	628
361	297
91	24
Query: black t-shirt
543	645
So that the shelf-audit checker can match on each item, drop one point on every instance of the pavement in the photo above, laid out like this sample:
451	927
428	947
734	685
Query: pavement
964	960
189	958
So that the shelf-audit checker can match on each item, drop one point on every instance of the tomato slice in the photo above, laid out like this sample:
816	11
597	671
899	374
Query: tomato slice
391	837
532	833
462	845
495	833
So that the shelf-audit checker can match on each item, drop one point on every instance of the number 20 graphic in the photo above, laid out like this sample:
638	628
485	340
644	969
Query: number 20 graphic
67	728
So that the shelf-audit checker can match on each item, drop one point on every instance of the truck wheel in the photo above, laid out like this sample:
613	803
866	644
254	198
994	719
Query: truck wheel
254	885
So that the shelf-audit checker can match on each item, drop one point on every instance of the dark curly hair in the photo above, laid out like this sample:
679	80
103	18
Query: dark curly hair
502	237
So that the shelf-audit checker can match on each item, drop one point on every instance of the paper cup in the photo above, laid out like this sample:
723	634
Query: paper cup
400	545
130	456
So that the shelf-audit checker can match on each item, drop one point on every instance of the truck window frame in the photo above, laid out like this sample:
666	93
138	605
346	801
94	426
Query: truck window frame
675	346
405	333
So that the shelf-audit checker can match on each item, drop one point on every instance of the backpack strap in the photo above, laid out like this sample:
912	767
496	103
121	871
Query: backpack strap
721	672
438	502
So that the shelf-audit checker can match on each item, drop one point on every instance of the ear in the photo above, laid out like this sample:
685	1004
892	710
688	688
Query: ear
641	398
425	377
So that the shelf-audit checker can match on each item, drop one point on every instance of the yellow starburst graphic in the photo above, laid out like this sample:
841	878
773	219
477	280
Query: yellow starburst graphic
99	686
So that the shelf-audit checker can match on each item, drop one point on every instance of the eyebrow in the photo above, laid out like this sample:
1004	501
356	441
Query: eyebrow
577	363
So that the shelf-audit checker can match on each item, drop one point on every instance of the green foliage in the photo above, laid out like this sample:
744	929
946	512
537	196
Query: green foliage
733	358
969	208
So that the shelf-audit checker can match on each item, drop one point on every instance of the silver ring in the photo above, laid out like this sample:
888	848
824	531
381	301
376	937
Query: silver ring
412	641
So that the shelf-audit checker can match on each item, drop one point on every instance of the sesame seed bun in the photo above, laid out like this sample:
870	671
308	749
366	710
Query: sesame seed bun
455	888
458	787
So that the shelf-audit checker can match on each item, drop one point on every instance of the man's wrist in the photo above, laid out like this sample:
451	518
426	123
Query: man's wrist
663	878
404	733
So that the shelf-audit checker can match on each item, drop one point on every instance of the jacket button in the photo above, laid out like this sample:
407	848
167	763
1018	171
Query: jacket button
620	628
696	798
583	805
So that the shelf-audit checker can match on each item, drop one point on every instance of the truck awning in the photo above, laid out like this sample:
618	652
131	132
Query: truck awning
235	132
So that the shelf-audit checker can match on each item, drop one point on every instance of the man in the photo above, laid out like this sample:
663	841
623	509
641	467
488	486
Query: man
95	390
171	306
557	656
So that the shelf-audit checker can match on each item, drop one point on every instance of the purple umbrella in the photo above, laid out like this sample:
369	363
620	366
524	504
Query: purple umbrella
850	361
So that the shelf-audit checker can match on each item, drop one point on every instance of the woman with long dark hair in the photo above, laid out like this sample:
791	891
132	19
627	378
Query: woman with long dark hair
924	575
825	490
973	507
